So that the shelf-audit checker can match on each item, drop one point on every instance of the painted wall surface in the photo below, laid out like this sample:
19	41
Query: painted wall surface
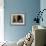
1	20
43	6
29	8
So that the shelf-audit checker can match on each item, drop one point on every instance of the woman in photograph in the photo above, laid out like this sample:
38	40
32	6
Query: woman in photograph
14	19
19	19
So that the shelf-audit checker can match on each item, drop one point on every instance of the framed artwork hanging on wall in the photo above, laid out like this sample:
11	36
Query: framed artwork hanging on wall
17	19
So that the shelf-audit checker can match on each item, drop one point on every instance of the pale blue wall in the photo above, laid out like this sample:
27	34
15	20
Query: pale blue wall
28	7
43	6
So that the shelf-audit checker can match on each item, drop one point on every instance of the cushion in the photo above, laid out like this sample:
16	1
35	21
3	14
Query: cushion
20	42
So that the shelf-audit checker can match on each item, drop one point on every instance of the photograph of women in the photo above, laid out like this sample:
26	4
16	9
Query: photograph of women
17	19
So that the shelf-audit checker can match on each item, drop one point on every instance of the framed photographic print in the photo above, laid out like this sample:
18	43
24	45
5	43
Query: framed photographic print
17	19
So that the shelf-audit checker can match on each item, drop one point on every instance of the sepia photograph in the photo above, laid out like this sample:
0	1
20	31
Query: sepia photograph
17	19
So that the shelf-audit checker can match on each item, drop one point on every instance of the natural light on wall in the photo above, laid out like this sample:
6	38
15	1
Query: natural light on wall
1	20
